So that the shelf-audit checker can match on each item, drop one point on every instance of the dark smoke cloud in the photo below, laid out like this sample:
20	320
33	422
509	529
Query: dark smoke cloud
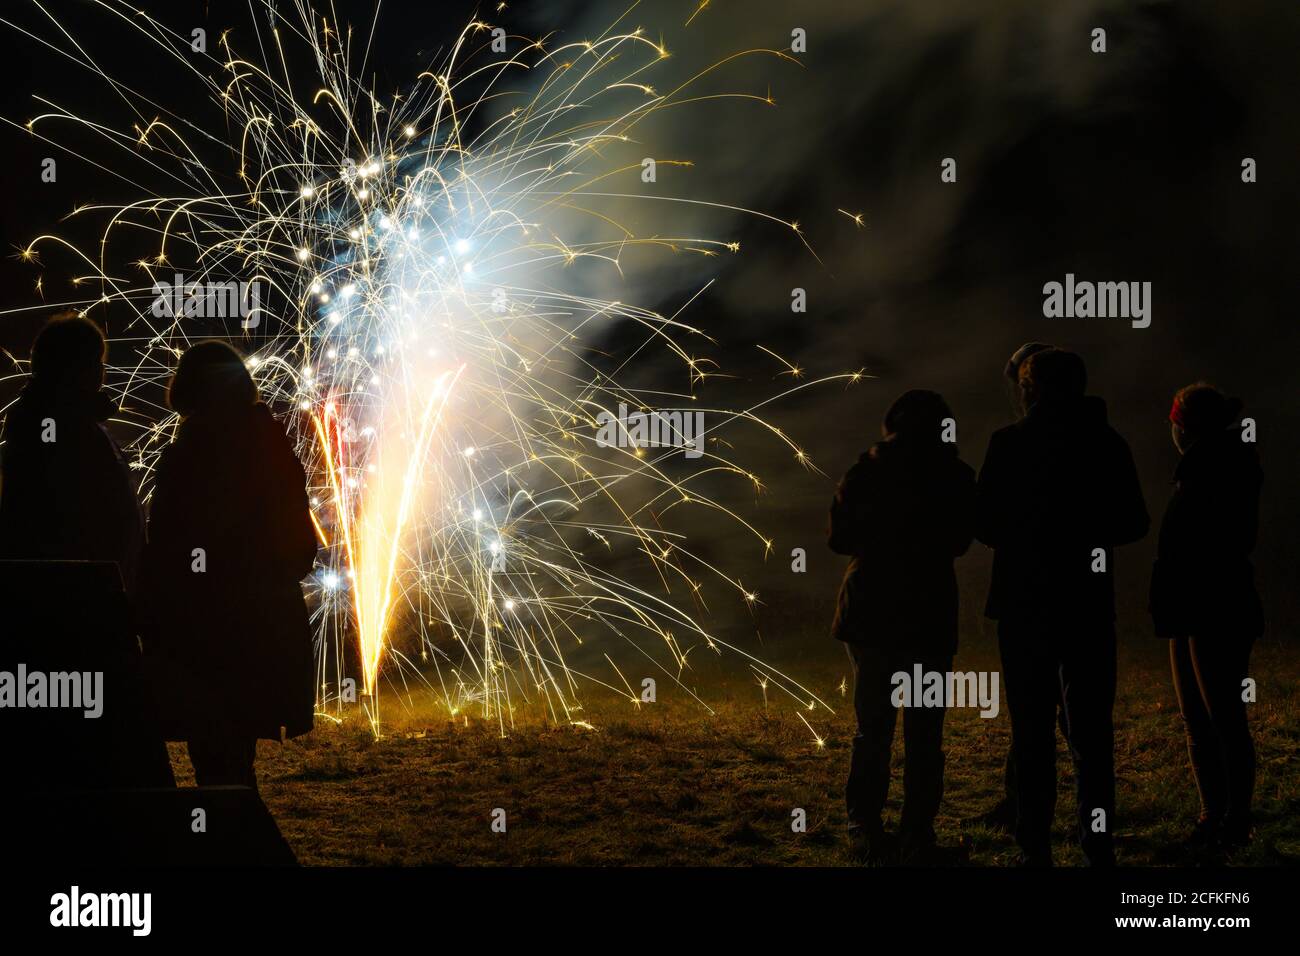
1122	166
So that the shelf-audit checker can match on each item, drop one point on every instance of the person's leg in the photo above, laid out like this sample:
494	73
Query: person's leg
1203	748
1088	675
1221	665
1004	812
868	784
923	762
1030	674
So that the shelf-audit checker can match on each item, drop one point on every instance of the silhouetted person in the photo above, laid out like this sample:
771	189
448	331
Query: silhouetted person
1203	597
1058	491
65	492
1002	815
67	495
230	538
903	513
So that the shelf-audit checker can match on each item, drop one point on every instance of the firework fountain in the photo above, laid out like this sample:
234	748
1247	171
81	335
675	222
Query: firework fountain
422	334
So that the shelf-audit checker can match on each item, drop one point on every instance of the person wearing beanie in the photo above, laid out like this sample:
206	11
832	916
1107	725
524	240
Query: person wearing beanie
903	513
1204	600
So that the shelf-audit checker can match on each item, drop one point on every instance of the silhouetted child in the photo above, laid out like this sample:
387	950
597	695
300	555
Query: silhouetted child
230	539
903	513
1203	597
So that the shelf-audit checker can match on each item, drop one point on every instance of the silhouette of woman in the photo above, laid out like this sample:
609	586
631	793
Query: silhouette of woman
1203	598
230	538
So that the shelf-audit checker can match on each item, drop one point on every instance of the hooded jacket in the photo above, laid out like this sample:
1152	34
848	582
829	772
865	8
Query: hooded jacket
1203	583
65	492
1055	487
903	513
230	646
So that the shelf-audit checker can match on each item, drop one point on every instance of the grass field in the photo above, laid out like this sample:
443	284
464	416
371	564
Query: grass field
670	784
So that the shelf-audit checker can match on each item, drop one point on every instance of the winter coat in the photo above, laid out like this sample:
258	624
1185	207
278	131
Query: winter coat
65	492
903	513
1203	583
1055	487
230	539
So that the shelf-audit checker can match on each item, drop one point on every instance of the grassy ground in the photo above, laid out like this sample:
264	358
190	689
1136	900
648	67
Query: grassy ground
670	784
